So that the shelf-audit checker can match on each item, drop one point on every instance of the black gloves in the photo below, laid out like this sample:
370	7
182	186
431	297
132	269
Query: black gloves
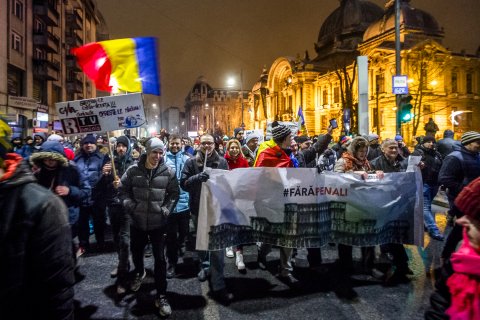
198	178
165	212
202	177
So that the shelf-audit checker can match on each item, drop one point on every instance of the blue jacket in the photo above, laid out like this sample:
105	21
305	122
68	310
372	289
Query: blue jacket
90	165
176	162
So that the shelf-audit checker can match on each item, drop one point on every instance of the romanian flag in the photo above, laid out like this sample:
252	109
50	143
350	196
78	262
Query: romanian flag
122	64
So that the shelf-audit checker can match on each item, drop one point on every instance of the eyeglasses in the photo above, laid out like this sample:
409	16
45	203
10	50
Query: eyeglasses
206	143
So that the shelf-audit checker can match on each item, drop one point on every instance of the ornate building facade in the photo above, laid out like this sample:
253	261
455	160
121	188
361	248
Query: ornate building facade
215	110
440	81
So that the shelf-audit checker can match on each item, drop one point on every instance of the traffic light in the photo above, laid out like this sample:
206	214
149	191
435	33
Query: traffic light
406	109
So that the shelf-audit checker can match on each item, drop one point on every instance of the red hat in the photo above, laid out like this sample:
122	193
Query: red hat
468	200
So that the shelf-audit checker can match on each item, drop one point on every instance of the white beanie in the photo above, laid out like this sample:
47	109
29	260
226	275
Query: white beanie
55	137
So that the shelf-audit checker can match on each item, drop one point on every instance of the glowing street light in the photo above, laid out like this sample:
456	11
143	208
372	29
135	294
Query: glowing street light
230	83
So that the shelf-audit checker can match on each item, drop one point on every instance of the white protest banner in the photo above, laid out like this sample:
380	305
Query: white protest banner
292	207
292	125
101	114
257	132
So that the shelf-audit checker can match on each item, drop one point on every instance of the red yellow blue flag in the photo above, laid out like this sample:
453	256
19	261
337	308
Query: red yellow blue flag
123	64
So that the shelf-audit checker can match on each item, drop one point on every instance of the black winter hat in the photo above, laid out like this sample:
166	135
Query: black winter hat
89	138
124	140
279	131
428	139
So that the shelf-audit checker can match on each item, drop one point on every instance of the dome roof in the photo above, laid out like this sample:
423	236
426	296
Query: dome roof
410	19
351	18
201	82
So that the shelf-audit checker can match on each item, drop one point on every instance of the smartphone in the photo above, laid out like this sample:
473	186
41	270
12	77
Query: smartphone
334	123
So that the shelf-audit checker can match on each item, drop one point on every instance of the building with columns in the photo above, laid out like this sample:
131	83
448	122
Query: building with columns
440	81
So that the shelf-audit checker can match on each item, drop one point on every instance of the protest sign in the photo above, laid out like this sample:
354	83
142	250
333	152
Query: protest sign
101	114
301	208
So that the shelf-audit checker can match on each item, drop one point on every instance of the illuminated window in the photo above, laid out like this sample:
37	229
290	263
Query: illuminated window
325	96
380	83
336	95
469	83
454	82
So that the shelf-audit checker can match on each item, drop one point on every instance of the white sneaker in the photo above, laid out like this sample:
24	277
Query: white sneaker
229	252
239	261
163	306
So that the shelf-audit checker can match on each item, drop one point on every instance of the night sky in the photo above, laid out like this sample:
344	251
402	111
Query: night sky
218	38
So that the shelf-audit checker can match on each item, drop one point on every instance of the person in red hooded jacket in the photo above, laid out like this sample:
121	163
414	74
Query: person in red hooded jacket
235	159
277	153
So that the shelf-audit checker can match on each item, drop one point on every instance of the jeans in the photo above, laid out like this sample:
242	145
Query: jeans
120	222
213	263
177	231
429	192
98	214
138	242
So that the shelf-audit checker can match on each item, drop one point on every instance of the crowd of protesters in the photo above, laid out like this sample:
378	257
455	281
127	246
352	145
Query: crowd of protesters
54	190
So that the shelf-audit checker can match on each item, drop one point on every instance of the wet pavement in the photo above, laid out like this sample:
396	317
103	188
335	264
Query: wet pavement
259	294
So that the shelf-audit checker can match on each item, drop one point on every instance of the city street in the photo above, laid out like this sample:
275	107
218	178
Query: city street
259	294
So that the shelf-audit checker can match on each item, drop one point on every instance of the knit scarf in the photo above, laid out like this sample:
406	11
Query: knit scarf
464	284
354	164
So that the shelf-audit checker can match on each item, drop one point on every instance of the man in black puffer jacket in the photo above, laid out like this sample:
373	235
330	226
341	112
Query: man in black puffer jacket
193	175
150	192
459	168
431	164
36	264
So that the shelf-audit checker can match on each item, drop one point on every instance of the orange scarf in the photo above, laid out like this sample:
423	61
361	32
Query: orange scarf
354	164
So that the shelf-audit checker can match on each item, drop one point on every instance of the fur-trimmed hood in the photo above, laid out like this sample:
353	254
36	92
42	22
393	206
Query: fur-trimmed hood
49	150
356	144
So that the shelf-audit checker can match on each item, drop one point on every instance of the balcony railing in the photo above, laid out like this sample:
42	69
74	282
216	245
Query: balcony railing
47	11
74	20
74	85
73	39
46	69
71	63
47	41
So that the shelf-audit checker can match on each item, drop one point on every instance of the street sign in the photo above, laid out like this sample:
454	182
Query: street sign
400	84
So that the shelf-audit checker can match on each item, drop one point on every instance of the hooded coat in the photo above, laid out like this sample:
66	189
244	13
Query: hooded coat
36	269
66	174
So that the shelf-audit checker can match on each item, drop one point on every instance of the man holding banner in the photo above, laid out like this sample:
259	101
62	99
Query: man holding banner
193	176
277	153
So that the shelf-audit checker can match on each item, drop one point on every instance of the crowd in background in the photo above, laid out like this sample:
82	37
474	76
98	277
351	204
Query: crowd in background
150	189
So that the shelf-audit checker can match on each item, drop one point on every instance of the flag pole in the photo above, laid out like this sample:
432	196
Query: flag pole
111	157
